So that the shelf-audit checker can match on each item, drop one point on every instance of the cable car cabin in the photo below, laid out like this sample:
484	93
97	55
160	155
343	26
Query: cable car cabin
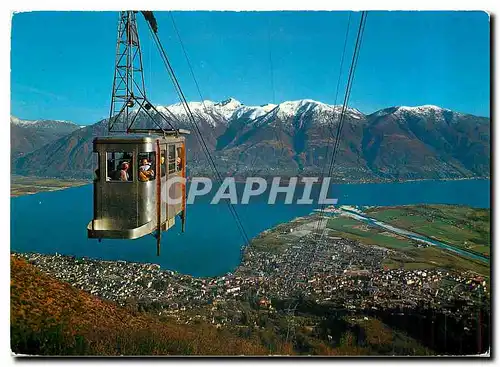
130	186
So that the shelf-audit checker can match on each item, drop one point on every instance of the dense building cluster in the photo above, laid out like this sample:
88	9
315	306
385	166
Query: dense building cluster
327	269
347	272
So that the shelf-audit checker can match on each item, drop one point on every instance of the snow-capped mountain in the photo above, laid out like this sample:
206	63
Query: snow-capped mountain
295	112
213	113
43	124
252	112
222	114
295	137
303	106
424	111
216	113
29	135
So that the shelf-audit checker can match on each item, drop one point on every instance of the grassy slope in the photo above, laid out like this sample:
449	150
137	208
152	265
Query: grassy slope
49	317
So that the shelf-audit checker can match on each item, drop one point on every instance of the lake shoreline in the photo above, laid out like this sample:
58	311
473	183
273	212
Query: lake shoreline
30	185
19	186
285	179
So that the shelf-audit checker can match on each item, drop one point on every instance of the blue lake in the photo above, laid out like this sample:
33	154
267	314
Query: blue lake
51	222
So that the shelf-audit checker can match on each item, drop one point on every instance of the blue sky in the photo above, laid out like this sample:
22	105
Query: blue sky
62	62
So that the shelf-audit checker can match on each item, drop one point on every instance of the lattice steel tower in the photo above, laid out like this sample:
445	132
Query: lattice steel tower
129	91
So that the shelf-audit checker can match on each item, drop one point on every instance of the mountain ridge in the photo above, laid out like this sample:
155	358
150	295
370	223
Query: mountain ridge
30	135
291	138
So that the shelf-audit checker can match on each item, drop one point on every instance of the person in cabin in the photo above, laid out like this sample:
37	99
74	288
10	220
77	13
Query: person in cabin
162	165
124	176
145	171
145	166
179	159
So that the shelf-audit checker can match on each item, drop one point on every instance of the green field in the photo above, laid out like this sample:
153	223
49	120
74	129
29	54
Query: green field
408	255
460	226
351	228
432	221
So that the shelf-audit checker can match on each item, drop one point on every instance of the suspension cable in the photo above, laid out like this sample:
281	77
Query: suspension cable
187	59
231	207
349	87
273	91
197	129
330	126
350	79
195	125
271	59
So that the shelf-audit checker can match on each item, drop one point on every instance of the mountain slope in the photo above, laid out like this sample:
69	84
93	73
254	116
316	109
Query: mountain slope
50	317
296	137
292	138
426	141
69	156
27	136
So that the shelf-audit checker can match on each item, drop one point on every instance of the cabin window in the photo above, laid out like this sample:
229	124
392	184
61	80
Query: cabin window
95	166
119	166
171	158
180	158
147	166
163	163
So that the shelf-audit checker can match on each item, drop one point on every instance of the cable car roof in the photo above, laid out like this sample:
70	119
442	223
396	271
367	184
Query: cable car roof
136	139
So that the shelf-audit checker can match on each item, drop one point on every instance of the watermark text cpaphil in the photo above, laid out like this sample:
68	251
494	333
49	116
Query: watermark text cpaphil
294	190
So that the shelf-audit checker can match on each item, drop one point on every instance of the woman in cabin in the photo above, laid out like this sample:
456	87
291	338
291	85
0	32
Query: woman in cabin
145	171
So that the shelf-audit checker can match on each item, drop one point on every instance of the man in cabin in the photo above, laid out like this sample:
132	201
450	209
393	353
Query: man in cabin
145	171
124	176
